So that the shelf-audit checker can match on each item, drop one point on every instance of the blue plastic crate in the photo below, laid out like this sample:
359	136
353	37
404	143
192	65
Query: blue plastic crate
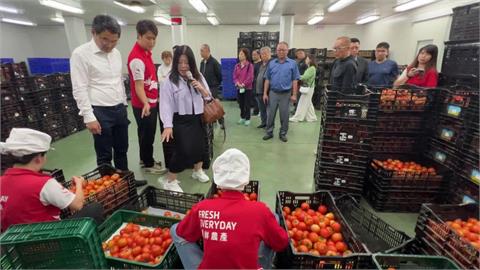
6	61
48	65
229	89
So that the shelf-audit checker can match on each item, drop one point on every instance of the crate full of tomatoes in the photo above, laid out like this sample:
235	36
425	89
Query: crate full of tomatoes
407	98
453	231
318	233
132	240
106	185
251	192
166	203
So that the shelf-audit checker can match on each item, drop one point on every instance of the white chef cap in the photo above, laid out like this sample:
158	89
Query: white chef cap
25	141
231	170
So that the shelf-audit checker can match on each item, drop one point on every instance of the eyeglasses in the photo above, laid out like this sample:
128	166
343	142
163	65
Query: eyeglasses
282	50
339	48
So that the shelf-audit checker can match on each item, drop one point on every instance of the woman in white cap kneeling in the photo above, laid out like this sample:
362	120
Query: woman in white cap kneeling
27	195
236	233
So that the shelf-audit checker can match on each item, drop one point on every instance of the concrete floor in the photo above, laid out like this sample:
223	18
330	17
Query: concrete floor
277	165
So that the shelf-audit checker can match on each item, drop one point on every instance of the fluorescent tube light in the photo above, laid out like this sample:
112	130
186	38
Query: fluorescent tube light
315	20
57	19
340	4
10	10
411	5
21	22
199	5
263	20
136	9
268	5
368	19
163	20
213	20
61	6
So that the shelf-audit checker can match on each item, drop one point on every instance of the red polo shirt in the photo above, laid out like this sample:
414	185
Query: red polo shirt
141	67
429	79
20	198
232	228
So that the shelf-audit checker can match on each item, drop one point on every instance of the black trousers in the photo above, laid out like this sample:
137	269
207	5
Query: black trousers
114	122
244	102
92	210
146	129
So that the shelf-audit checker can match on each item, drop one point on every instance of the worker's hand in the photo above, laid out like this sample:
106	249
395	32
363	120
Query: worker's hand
94	127
412	72
265	99
146	110
293	98
78	180
167	134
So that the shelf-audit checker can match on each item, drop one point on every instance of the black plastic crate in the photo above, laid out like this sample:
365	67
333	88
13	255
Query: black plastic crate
260	35
397	145
12	114
253	186
432	226
60	80
14	71
465	25
291	259
244	43
274	36
442	153
336	143
400	124
55	173
461	58
348	132
402	261
336	191
39	83
358	106
375	234
164	199
113	197
8	97
258	44
462	187
353	158
449	130
31	115
245	35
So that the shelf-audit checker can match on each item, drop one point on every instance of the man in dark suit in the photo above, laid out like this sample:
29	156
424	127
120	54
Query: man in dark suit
362	63
212	71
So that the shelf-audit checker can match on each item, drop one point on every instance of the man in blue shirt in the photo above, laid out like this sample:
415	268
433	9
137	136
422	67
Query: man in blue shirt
281	86
382	72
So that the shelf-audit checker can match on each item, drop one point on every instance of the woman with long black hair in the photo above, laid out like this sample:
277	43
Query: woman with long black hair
423	70
181	108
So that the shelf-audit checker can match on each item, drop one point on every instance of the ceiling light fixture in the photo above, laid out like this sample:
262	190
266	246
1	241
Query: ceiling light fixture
21	22
163	20
368	19
340	4
10	10
199	5
263	19
268	5
213	20
122	23
57	19
411	5
61	6
315	19
134	8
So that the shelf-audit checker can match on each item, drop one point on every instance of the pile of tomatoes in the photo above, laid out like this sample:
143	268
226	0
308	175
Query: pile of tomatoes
248	196
140	245
170	214
315	232
403	167
468	230
92	187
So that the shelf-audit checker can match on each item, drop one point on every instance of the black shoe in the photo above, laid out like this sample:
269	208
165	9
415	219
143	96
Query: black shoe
262	126
283	138
267	137
140	183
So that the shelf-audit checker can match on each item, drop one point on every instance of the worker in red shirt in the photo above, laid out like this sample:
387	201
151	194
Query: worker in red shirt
236	233
29	196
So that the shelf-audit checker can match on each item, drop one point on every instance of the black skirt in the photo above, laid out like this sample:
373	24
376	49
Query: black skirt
189	142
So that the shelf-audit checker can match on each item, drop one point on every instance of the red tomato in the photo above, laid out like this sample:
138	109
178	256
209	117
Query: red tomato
302	226
302	249
287	209
321	248
157	240
336	227
337	237
122	242
306	242
298	235
325	233
145	233
140	240
136	251
313	237
253	196
305	206
156	250
157	232
315	228
340	246
166	244
322	209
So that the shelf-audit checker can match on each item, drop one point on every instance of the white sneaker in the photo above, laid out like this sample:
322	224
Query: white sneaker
293	120
200	176
172	186
155	169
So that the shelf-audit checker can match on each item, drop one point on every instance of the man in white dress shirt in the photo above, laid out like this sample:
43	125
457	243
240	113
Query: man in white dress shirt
96	72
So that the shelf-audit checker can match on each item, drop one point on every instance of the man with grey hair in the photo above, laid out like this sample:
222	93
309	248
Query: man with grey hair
281	86
212	72
343	76
259	82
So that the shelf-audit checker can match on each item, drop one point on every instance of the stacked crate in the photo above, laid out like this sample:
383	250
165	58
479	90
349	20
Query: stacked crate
454	140
344	144
401	133
257	40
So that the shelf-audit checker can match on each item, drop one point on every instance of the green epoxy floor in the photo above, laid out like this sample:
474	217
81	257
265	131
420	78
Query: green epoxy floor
277	165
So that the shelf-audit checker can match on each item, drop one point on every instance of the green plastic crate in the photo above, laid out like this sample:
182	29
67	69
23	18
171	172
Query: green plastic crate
399	261
111	225
65	244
